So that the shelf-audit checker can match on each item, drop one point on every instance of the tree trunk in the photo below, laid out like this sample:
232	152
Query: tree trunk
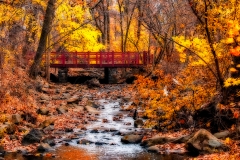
140	15
108	25
120	4
43	39
128	23
30	34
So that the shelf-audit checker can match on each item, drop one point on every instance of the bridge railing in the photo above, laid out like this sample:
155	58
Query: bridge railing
99	59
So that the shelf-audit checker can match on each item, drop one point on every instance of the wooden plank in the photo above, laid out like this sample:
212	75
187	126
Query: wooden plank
99	59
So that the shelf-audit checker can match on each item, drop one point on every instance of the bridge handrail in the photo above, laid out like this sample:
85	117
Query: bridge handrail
100	59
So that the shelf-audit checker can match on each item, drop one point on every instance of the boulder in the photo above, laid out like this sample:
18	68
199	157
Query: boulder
113	130
91	109
2	151
46	85
100	143
68	130
43	147
126	98
84	141
47	90
203	140
10	128
73	137
66	96
49	140
138	123
78	109
223	134
79	133
48	128
66	144
34	136
56	97
46	123
128	108
13	137
93	104
73	99
156	140
29	117
93	83
67	139
131	138
43	111
105	120
45	97
39	84
115	118
16	118
62	110
22	129
153	149
3	130
94	130
125	132
84	99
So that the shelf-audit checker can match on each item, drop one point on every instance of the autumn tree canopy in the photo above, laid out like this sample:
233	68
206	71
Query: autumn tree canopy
195	42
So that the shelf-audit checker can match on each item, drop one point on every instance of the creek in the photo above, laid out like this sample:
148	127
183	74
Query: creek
104	136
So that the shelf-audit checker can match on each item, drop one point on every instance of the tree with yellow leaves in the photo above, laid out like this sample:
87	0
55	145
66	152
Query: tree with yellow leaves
49	15
73	30
73	22
217	29
209	53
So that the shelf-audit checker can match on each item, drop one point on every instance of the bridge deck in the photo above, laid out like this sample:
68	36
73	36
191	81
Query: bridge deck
99	59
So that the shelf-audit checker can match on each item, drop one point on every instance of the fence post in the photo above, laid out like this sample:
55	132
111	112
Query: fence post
128	58
144	58
137	58
75	59
100	59
63	58
107	57
88	58
112	58
96	58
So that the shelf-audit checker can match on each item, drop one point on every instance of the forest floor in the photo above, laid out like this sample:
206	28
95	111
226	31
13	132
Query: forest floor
56	109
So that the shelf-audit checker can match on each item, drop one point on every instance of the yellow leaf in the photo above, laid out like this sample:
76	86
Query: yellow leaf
229	40
233	70
227	140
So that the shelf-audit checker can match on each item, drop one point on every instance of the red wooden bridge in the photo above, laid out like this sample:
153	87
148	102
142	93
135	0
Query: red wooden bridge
99	59
106	60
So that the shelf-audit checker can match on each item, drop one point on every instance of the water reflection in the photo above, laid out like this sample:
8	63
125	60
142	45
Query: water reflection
107	151
76	153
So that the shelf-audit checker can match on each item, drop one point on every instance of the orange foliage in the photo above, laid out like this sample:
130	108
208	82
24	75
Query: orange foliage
15	87
191	88
236	114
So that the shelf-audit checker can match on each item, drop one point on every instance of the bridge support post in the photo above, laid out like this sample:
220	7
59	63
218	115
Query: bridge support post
62	75
106	75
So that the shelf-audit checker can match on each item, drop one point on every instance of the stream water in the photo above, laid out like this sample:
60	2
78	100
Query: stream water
106	140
